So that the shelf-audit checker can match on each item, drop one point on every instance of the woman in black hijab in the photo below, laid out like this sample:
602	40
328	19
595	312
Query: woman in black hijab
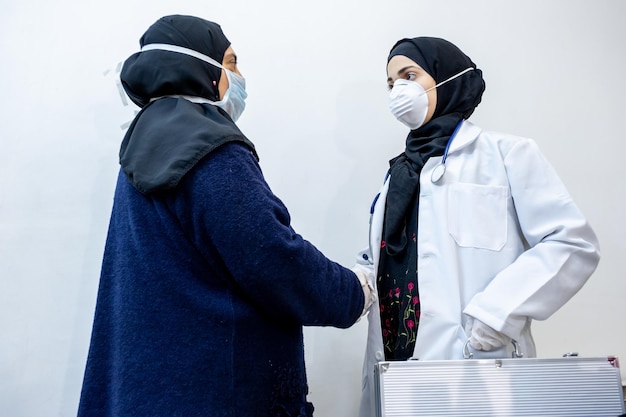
473	234
205	286
454	101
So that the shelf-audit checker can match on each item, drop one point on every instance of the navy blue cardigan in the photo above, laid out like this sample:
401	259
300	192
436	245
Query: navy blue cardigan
203	294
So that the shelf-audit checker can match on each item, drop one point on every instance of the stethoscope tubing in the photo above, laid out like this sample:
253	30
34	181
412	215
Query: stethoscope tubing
440	170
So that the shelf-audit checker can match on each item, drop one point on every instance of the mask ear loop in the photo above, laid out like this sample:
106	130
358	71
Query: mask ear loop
449	79
181	50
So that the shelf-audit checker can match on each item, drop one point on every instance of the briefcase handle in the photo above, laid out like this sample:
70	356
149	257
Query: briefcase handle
515	354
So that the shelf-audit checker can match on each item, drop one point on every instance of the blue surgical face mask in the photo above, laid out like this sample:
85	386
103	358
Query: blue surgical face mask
233	101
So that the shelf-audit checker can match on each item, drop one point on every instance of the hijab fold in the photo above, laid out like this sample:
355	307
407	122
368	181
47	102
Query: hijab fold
171	134
397	270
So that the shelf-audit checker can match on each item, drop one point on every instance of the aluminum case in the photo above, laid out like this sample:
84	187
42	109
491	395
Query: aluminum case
568	386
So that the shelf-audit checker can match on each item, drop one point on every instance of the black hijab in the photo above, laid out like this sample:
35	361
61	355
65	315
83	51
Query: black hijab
170	135
397	271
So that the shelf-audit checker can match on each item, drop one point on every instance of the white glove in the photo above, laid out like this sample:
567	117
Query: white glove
483	337
366	278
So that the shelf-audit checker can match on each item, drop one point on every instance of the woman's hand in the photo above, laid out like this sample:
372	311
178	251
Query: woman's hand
483	337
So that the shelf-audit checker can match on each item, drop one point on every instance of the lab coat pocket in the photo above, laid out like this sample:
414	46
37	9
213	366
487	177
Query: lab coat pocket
477	215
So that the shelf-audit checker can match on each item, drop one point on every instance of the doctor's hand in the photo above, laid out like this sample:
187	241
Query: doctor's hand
366	278
483	337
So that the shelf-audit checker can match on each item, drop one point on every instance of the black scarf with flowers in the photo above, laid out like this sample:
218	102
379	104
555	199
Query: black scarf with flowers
397	268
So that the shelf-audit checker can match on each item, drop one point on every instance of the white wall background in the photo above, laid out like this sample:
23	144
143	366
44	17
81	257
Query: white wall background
317	114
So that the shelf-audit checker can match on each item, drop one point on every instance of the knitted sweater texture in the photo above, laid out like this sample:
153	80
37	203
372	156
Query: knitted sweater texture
203	294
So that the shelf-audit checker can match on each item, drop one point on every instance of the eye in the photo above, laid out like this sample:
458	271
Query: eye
411	76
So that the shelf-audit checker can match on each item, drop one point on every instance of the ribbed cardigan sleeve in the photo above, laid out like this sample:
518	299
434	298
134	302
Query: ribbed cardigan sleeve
231	213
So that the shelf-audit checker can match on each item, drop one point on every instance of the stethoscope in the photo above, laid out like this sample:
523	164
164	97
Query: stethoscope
440	169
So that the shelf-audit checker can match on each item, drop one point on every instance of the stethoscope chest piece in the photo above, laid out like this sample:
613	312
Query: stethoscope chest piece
438	172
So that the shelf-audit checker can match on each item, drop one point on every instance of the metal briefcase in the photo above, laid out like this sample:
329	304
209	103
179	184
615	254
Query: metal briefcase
568	386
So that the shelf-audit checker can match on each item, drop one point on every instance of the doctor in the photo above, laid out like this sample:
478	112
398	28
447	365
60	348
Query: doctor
473	235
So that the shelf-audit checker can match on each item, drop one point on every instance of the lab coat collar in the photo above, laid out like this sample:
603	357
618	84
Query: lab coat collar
468	132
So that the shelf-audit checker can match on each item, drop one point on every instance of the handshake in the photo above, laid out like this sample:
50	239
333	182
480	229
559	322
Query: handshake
366	278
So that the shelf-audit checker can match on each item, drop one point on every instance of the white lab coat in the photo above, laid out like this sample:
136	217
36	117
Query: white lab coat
499	239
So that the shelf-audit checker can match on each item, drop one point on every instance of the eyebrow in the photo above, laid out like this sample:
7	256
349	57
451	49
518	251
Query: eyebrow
402	70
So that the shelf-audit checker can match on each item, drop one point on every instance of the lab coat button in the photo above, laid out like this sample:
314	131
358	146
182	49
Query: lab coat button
379	355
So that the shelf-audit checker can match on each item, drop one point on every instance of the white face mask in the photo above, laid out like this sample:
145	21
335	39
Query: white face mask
233	101
408	100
